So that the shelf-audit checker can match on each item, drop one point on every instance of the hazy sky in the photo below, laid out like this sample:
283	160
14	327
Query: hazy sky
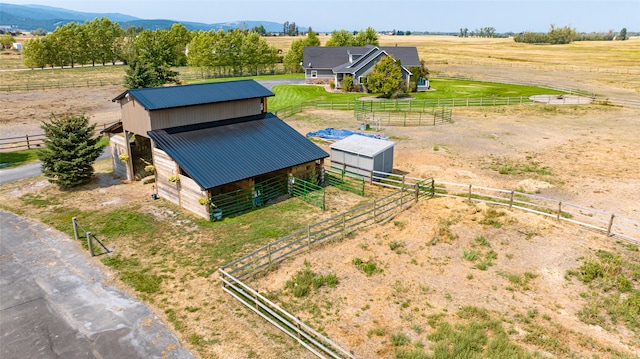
413	15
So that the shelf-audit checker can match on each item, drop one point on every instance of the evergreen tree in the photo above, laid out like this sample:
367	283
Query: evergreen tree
623	34
138	75
70	150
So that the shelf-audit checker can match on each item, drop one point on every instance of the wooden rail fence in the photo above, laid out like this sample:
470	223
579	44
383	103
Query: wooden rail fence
410	189
32	141
265	258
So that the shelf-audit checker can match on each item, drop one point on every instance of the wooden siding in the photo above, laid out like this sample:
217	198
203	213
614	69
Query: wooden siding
189	192
184	193
190	115
118	146
135	118
166	167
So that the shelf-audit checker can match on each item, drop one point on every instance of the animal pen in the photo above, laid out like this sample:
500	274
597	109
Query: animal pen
408	190
401	113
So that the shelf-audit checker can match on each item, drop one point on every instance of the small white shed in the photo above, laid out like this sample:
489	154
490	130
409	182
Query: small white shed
361	155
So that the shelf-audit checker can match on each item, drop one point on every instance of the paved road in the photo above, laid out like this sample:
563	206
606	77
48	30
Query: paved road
54	304
33	169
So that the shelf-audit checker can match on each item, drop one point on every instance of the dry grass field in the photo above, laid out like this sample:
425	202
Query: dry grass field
505	271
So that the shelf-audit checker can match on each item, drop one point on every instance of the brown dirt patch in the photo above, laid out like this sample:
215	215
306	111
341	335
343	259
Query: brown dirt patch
22	112
422	279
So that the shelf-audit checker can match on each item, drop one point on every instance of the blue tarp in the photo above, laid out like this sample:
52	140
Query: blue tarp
333	134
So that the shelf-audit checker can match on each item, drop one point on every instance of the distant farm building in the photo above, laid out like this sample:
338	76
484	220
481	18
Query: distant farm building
206	140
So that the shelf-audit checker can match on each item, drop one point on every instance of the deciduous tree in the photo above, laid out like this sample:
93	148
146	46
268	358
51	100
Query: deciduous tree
369	36
386	77
294	56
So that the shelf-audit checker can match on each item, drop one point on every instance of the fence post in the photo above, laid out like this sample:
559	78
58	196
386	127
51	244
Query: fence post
403	183
75	227
511	200
417	191
610	225
374	210
90	243
308	238
433	188
255	298
28	145
559	210
469	193
269	253
344	226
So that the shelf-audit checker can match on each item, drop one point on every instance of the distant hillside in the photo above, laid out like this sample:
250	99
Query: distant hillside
32	17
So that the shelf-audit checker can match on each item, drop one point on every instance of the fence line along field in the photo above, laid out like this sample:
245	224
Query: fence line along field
442	269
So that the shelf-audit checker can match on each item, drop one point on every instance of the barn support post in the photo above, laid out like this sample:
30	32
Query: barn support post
129	161
610	225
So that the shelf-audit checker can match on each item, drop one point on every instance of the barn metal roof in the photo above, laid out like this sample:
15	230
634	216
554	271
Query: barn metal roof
363	145
158	98
221	152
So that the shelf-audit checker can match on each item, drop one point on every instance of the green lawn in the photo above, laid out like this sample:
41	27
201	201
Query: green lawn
288	95
454	88
17	158
23	157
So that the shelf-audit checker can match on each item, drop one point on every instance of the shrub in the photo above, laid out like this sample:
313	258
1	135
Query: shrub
347	84
369	268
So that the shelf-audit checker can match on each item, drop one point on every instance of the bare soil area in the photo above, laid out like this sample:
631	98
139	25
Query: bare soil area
583	154
23	112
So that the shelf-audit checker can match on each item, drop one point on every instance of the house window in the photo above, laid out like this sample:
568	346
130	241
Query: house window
314	74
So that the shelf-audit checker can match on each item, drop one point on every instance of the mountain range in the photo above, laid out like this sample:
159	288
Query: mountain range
32	17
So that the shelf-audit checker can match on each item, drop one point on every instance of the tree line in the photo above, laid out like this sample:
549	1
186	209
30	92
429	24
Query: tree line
566	35
152	55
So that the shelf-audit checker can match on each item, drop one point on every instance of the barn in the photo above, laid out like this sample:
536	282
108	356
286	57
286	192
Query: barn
362	155
208	140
